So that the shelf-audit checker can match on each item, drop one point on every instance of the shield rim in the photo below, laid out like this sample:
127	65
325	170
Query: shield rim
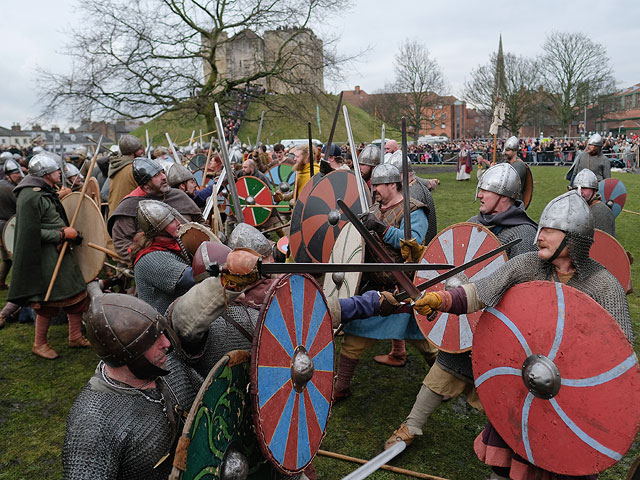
245	210
472	318
527	191
329	287
602	184
628	288
5	231
254	373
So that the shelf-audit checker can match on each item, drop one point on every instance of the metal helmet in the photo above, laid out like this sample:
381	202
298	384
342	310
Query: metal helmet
154	216
121	328
71	170
511	144
11	166
208	253
235	155
17	156
570	213
41	165
37	150
502	179
596	139
144	169
396	161
246	236
5	156
129	145
81	151
177	174
370	155
586	179
385	173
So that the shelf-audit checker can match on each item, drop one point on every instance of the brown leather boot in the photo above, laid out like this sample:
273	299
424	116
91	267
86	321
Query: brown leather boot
400	435
397	357
45	351
80	342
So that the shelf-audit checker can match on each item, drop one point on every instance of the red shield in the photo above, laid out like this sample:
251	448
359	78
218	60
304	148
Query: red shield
296	246
247	187
557	378
456	245
607	251
291	405
613	190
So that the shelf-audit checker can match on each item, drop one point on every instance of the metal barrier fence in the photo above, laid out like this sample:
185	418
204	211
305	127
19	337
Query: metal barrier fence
533	158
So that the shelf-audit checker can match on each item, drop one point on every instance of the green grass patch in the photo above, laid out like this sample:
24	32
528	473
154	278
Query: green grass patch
36	395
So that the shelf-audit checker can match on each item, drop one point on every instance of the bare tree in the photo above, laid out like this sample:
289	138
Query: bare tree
418	84
575	71
141	58
519	92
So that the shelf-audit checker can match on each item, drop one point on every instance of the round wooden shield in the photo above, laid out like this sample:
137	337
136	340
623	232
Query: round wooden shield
298	251
248	186
455	245
197	162
607	251
8	234
613	190
282	173
91	225
219	423
93	190
527	193
292	401
319	232
557	378
349	248
283	245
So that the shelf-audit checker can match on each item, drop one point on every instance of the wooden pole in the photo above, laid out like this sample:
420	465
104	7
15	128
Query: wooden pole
495	147
402	471
630	211
277	227
111	253
187	140
206	165
65	244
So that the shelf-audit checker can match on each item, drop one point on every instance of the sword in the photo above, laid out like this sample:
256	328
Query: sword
173	149
227	165
382	142
260	128
402	278
148	151
405	182
311	169
364	204
454	271
193	134
333	126
376	462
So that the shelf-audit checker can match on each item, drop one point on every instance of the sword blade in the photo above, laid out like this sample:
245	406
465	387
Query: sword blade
333	126
454	271
364	204
405	182
403	280
382	142
227	166
273	268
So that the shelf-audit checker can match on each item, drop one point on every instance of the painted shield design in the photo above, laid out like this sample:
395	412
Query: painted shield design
296	245
283	245
455	245
558	379
613	190
282	173
218	432
349	248
90	224
607	251
253	191
292	372
8	234
322	219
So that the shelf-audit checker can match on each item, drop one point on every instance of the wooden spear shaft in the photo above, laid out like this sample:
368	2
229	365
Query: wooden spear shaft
111	253
65	244
206	165
630	211
402	471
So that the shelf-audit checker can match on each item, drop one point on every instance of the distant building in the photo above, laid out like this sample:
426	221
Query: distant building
247	53
620	116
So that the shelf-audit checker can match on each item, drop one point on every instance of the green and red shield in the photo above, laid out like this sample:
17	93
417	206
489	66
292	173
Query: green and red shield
258	193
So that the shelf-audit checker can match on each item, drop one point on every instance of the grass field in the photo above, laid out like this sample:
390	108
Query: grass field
35	395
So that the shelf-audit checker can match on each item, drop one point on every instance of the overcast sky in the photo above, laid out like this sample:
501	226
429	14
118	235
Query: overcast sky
459	34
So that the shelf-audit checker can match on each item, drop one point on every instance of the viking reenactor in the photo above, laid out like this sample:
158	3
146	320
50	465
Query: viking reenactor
152	184
180	177
75	179
586	183
464	163
368	159
126	420
510	152
121	179
451	375
390	147
12	177
386	219
41	228
249	168
564	237
591	159
302	166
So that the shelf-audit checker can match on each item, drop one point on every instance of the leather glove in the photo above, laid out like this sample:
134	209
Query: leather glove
71	234
370	221
426	304
388	304
411	250
63	192
241	269
278	197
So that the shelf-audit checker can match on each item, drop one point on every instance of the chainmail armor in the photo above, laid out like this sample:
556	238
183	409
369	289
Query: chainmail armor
459	364
603	218
590	277
121	433
157	274
419	191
